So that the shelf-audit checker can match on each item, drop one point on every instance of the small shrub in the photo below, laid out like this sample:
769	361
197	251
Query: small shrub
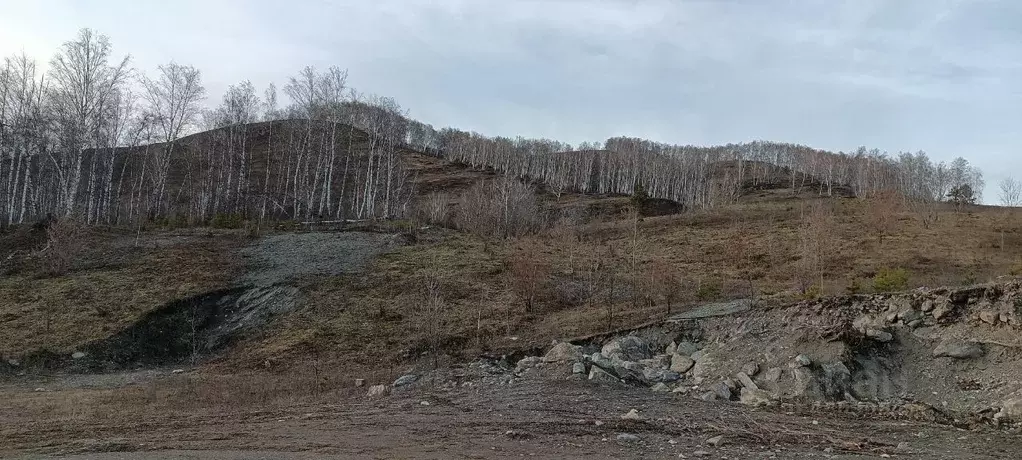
707	291
227	221
64	242
500	208
890	280
433	209
811	292
289	225
854	286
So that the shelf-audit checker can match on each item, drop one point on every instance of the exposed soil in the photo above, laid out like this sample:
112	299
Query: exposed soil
290	257
541	416
195	327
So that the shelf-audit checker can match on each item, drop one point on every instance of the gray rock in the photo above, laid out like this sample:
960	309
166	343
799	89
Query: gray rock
627	348
177	371
773	374
750	369
701	453
915	323
803	384
13	362
653	375
601	361
1011	411
836	379
77	355
663	361
377	391
661	388
406	379
627	437
803	361
360	382
632	415
672	348
578	368
597	374
715	441
527	363
723	391
563	351
927	306
686	348
941	310
697	355
629	371
706	367
908	316
681	363
753	397
958	350
989	317
708	396
746	381
879	335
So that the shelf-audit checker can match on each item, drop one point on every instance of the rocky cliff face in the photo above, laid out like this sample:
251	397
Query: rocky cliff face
955	352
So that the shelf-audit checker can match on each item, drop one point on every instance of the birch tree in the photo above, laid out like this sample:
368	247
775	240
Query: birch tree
83	89
173	97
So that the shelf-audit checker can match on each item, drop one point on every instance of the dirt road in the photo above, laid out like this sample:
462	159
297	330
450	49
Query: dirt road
532	418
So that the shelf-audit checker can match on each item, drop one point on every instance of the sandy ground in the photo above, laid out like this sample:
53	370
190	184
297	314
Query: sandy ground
540	417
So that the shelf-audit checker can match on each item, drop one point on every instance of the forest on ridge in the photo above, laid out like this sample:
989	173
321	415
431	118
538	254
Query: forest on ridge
87	135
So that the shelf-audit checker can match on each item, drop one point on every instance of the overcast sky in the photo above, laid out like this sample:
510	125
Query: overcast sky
944	76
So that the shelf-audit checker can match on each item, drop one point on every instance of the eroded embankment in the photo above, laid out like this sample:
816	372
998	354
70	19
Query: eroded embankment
190	329
953	353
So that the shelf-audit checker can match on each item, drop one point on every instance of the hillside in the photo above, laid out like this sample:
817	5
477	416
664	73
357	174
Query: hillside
158	325
597	269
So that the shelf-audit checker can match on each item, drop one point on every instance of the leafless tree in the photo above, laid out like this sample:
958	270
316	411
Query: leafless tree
173	97
1011	192
84	85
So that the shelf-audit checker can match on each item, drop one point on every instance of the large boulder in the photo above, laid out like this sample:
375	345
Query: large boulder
407	379
681	363
629	371
663	361
656	375
1011	411
627	348
686	348
835	379
599	375
746	381
563	352
958	350
705	366
754	397
527	363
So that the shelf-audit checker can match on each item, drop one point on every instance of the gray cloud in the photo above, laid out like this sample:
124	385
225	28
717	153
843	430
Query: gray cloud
939	75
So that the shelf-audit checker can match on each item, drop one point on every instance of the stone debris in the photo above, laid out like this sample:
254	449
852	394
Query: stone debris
632	415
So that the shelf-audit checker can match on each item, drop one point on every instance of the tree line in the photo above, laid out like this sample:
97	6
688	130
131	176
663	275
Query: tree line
92	137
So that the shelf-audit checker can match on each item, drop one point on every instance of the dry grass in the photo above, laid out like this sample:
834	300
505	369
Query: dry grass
748	249
114	285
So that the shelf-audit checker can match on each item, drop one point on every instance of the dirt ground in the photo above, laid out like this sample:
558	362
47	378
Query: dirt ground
534	417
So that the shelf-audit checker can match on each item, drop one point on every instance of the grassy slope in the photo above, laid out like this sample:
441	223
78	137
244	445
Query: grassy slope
372	318
375	317
114	283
